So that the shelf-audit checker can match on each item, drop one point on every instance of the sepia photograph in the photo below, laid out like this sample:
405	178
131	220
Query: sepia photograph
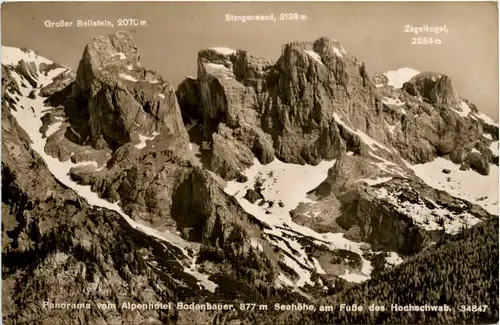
249	163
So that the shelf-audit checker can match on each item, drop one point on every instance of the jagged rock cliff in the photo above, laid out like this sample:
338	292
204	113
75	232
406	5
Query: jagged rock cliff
121	97
285	108
317	102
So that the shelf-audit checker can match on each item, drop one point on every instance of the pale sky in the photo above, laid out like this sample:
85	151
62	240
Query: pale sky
373	32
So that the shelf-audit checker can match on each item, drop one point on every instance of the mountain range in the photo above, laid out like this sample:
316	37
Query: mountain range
307	180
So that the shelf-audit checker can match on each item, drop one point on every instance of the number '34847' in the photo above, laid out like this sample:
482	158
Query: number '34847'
473	308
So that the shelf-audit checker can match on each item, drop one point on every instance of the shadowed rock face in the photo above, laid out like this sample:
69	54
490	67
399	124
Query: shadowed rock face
316	80
188	98
433	87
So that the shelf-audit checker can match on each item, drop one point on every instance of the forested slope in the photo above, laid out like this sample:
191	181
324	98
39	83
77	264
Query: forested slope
445	274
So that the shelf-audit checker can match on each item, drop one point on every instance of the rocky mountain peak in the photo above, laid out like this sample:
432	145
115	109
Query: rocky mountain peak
329	46
121	99
213	54
105	52
324	51
444	91
433	87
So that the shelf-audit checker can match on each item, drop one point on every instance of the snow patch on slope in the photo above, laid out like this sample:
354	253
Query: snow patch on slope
121	55
216	66
376	181
486	119
352	277
364	137
398	77
127	77
388	166
143	138
255	244
392	101
494	147
279	182
223	50
52	128
428	215
203	280
467	184
390	128
338	52
314	55
465	109
12	55
394	259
